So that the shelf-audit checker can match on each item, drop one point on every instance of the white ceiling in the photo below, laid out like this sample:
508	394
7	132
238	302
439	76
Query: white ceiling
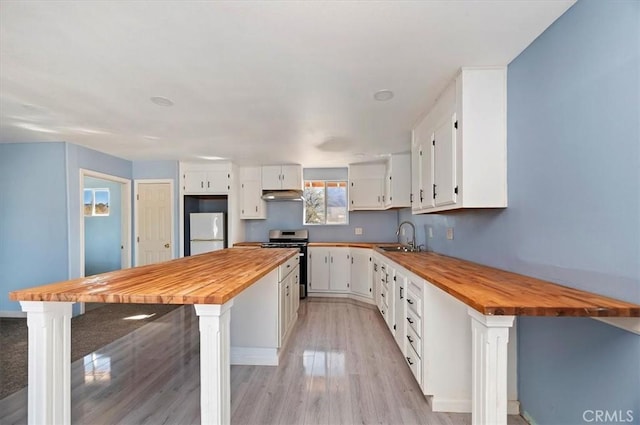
252	81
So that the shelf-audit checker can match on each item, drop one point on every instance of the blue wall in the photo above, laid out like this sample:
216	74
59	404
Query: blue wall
78	157
33	217
377	226
574	213
103	234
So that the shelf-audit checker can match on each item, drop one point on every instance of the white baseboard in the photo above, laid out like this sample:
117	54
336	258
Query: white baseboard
341	295
450	405
13	314
464	406
254	356
527	417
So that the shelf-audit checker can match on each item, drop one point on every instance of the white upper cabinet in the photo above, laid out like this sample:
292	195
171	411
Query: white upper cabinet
397	191
202	178
459	148
366	186
251	204
281	177
380	185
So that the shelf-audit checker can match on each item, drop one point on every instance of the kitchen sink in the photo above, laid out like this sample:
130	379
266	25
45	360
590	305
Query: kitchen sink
398	249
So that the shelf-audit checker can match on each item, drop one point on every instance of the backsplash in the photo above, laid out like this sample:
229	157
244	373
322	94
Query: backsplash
377	226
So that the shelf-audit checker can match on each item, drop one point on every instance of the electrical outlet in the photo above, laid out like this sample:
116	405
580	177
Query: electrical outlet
430	232
358	230
450	233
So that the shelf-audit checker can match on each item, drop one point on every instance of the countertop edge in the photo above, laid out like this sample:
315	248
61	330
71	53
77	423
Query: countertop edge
35	293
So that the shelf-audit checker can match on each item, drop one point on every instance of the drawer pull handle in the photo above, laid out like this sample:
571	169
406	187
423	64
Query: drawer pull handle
409	300
401	289
409	320
410	339
382	295
409	360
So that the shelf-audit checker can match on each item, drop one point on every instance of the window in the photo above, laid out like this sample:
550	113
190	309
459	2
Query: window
96	202
325	202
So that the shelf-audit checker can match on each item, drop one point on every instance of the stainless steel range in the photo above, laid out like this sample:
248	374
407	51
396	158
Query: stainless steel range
292	239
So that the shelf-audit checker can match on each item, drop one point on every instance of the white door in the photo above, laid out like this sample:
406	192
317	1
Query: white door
154	211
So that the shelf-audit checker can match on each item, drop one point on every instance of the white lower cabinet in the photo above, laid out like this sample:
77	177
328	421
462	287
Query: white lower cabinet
399	309
263	316
432	328
361	269
289	297
329	269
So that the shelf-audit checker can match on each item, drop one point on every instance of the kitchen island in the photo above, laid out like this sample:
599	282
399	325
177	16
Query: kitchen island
209	281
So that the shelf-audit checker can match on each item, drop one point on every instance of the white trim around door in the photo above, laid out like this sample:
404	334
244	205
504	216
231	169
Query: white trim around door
126	218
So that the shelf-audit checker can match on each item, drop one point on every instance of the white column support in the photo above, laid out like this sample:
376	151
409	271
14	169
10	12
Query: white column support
490	336
49	393
215	367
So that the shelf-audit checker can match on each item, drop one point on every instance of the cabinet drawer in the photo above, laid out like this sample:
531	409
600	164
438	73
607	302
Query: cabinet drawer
414	341
287	267
414	298
415	364
414	322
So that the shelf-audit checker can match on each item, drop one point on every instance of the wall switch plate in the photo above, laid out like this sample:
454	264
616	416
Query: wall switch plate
430	232
450	233
358	230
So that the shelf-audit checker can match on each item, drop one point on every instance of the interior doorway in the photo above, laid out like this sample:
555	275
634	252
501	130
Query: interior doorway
105	224
154	221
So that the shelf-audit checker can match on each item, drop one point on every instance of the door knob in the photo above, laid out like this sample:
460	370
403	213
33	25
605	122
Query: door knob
166	245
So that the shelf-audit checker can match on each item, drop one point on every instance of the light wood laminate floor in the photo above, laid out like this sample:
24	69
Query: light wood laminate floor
341	366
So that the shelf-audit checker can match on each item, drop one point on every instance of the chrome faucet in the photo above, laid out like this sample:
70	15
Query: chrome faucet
412	242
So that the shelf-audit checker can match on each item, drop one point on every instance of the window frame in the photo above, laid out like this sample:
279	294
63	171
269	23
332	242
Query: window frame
325	181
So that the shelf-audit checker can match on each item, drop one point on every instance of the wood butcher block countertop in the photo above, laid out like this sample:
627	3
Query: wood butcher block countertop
211	278
497	292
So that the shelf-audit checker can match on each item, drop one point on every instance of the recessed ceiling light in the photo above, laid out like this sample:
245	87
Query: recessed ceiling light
153	138
161	101
383	95
211	158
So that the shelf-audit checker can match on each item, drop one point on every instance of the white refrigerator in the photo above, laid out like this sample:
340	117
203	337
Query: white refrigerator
206	232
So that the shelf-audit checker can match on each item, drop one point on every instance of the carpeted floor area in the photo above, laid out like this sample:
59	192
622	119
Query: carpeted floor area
90	331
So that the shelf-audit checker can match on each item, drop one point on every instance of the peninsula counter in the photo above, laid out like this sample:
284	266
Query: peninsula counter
208	281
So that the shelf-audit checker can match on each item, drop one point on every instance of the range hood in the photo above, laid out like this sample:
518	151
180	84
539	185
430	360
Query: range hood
282	195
